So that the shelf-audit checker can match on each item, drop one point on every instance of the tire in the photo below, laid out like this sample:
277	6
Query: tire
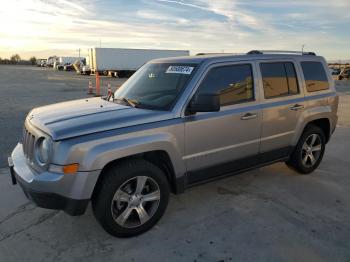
340	77
304	148
117	197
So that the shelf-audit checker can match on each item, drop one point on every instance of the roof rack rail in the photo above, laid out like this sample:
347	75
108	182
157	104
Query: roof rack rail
261	52
198	54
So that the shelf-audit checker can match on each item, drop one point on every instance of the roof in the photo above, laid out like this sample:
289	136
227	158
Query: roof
232	57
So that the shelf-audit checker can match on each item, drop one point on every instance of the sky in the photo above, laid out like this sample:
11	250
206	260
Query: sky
44	28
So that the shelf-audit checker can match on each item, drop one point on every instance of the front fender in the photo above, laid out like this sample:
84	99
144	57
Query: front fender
100	154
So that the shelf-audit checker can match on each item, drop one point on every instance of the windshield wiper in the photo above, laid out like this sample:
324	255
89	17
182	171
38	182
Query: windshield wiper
130	102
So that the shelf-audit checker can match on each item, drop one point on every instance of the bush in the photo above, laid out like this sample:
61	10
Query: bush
32	60
15	59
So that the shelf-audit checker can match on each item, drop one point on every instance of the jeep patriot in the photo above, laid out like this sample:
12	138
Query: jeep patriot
175	123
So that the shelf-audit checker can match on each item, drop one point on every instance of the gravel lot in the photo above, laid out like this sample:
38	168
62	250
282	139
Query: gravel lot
24	87
268	214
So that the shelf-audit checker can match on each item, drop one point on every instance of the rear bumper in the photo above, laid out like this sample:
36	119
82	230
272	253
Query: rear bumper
70	193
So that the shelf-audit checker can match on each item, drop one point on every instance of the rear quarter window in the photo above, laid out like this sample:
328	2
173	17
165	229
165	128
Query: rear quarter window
315	76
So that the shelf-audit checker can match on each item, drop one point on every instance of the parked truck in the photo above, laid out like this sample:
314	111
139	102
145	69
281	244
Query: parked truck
51	61
41	62
65	60
86	69
68	59
123	62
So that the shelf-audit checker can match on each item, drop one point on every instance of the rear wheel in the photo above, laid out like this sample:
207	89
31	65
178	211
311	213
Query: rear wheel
309	151
131	198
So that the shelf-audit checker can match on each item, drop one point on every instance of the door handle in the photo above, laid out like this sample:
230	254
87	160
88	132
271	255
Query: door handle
296	107
248	116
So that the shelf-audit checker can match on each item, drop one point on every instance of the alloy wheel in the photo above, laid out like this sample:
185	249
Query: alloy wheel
135	201
311	150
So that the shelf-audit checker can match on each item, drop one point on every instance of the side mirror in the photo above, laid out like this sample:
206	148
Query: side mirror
204	103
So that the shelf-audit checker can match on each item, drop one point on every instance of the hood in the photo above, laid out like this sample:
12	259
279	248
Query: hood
86	116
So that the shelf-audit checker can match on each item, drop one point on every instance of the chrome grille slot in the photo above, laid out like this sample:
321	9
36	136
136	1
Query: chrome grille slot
28	145
31	147
24	140
25	136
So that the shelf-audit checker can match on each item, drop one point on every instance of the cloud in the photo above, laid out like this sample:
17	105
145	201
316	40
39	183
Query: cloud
73	5
183	4
228	9
197	25
155	16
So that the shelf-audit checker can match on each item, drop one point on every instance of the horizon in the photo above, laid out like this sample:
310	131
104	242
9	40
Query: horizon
46	28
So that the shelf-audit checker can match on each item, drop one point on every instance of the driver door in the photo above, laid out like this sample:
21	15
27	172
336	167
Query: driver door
220	142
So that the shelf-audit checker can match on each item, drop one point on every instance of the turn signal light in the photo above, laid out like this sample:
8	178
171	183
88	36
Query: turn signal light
70	169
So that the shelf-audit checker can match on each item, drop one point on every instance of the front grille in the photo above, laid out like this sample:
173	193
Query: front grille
28	145
30	137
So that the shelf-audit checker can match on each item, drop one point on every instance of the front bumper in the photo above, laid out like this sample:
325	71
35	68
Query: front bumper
71	206
70	193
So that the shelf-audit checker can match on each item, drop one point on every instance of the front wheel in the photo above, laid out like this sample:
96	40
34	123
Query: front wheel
131	198
309	151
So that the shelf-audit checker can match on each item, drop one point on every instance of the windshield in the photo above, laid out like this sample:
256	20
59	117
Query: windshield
155	85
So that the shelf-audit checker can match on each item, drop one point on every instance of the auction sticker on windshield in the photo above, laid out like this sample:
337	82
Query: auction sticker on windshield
186	70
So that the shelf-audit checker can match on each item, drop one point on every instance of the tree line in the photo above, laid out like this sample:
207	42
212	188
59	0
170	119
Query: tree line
16	60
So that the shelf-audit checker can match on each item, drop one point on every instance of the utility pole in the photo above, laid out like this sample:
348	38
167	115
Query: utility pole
302	48
79	52
100	42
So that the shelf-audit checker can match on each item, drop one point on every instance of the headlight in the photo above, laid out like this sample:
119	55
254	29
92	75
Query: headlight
43	150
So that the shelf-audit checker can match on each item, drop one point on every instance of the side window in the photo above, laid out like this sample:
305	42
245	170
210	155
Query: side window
279	79
292	79
315	76
233	83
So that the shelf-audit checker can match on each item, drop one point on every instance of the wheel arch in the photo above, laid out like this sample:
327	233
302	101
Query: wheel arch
159	158
323	123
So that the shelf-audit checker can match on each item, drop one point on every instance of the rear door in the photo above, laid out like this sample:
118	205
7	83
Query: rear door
220	142
282	103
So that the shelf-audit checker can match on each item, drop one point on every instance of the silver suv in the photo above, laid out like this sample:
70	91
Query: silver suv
175	123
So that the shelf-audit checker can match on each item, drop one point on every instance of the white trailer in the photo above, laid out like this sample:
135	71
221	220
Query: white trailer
123	62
